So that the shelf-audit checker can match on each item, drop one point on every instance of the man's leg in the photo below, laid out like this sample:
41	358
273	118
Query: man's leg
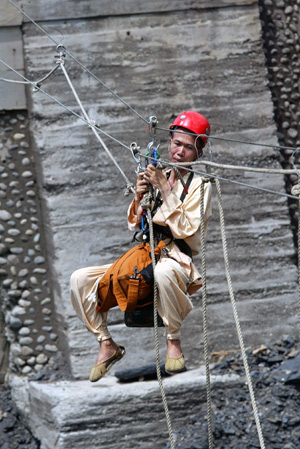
84	294
173	306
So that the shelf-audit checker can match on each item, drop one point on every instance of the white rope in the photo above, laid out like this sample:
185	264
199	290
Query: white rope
78	62
35	83
273	171
204	316
236	318
232	181
157	356
129	184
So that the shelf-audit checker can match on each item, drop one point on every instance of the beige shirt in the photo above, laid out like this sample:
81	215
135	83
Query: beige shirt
183	219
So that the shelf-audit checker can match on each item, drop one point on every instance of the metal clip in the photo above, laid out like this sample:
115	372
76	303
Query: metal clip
152	147
134	151
62	53
135	272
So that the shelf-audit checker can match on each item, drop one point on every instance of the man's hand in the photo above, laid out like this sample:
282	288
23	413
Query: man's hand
156	177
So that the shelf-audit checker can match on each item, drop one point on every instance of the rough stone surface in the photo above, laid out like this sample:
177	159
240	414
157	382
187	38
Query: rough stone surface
78	183
218	69
275	377
22	293
53	417
281	28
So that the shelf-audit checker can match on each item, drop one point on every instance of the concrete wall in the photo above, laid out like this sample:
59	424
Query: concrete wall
161	62
12	96
162	58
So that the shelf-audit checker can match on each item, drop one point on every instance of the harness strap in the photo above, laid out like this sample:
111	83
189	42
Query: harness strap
165	230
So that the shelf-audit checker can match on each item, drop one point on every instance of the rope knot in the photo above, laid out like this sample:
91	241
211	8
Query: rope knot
207	179
129	188
296	190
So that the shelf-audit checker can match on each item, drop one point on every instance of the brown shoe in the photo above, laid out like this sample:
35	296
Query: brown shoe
174	366
99	371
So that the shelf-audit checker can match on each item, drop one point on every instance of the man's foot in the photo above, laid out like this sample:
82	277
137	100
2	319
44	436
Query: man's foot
109	353
174	360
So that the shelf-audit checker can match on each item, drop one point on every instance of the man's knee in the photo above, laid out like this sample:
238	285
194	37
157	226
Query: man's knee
163	270
78	277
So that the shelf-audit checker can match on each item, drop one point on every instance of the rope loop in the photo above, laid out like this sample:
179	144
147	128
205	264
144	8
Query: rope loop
296	190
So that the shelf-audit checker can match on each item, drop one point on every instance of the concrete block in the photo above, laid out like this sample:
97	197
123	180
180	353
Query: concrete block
79	414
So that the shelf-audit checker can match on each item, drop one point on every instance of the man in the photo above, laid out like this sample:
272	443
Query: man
175	273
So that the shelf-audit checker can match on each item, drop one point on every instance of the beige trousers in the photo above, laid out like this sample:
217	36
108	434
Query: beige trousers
173	303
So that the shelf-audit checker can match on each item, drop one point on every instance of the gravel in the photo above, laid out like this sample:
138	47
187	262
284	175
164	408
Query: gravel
275	373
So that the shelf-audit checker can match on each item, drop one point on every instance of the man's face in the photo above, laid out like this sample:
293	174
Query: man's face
182	148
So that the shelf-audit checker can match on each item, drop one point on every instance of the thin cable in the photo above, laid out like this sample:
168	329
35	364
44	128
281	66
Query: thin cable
36	83
279	147
66	107
79	63
227	139
166	163
129	185
273	171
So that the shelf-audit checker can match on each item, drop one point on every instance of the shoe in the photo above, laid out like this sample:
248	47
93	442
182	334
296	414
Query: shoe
174	366
99	371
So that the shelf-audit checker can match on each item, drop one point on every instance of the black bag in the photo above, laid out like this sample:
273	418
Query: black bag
142	317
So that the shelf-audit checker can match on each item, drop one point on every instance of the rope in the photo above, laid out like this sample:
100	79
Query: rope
232	181
236	317
273	171
90	124
36	83
157	356
204	313
227	139
78	62
129	184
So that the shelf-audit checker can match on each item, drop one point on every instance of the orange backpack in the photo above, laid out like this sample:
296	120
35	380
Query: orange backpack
129	280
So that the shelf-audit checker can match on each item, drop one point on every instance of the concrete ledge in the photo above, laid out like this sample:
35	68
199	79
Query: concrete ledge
80	415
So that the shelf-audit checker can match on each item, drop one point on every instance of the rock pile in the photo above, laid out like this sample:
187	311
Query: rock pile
275	373
25	297
13	433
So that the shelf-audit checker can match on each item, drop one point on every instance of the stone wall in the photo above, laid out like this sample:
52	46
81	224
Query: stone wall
80	193
31	326
62	204
161	63
280	24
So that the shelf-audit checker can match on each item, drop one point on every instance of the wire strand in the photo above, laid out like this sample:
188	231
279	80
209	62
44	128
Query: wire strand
65	107
79	63
263	189
141	155
228	139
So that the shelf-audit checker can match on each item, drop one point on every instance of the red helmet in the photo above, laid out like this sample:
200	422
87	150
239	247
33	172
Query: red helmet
194	122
